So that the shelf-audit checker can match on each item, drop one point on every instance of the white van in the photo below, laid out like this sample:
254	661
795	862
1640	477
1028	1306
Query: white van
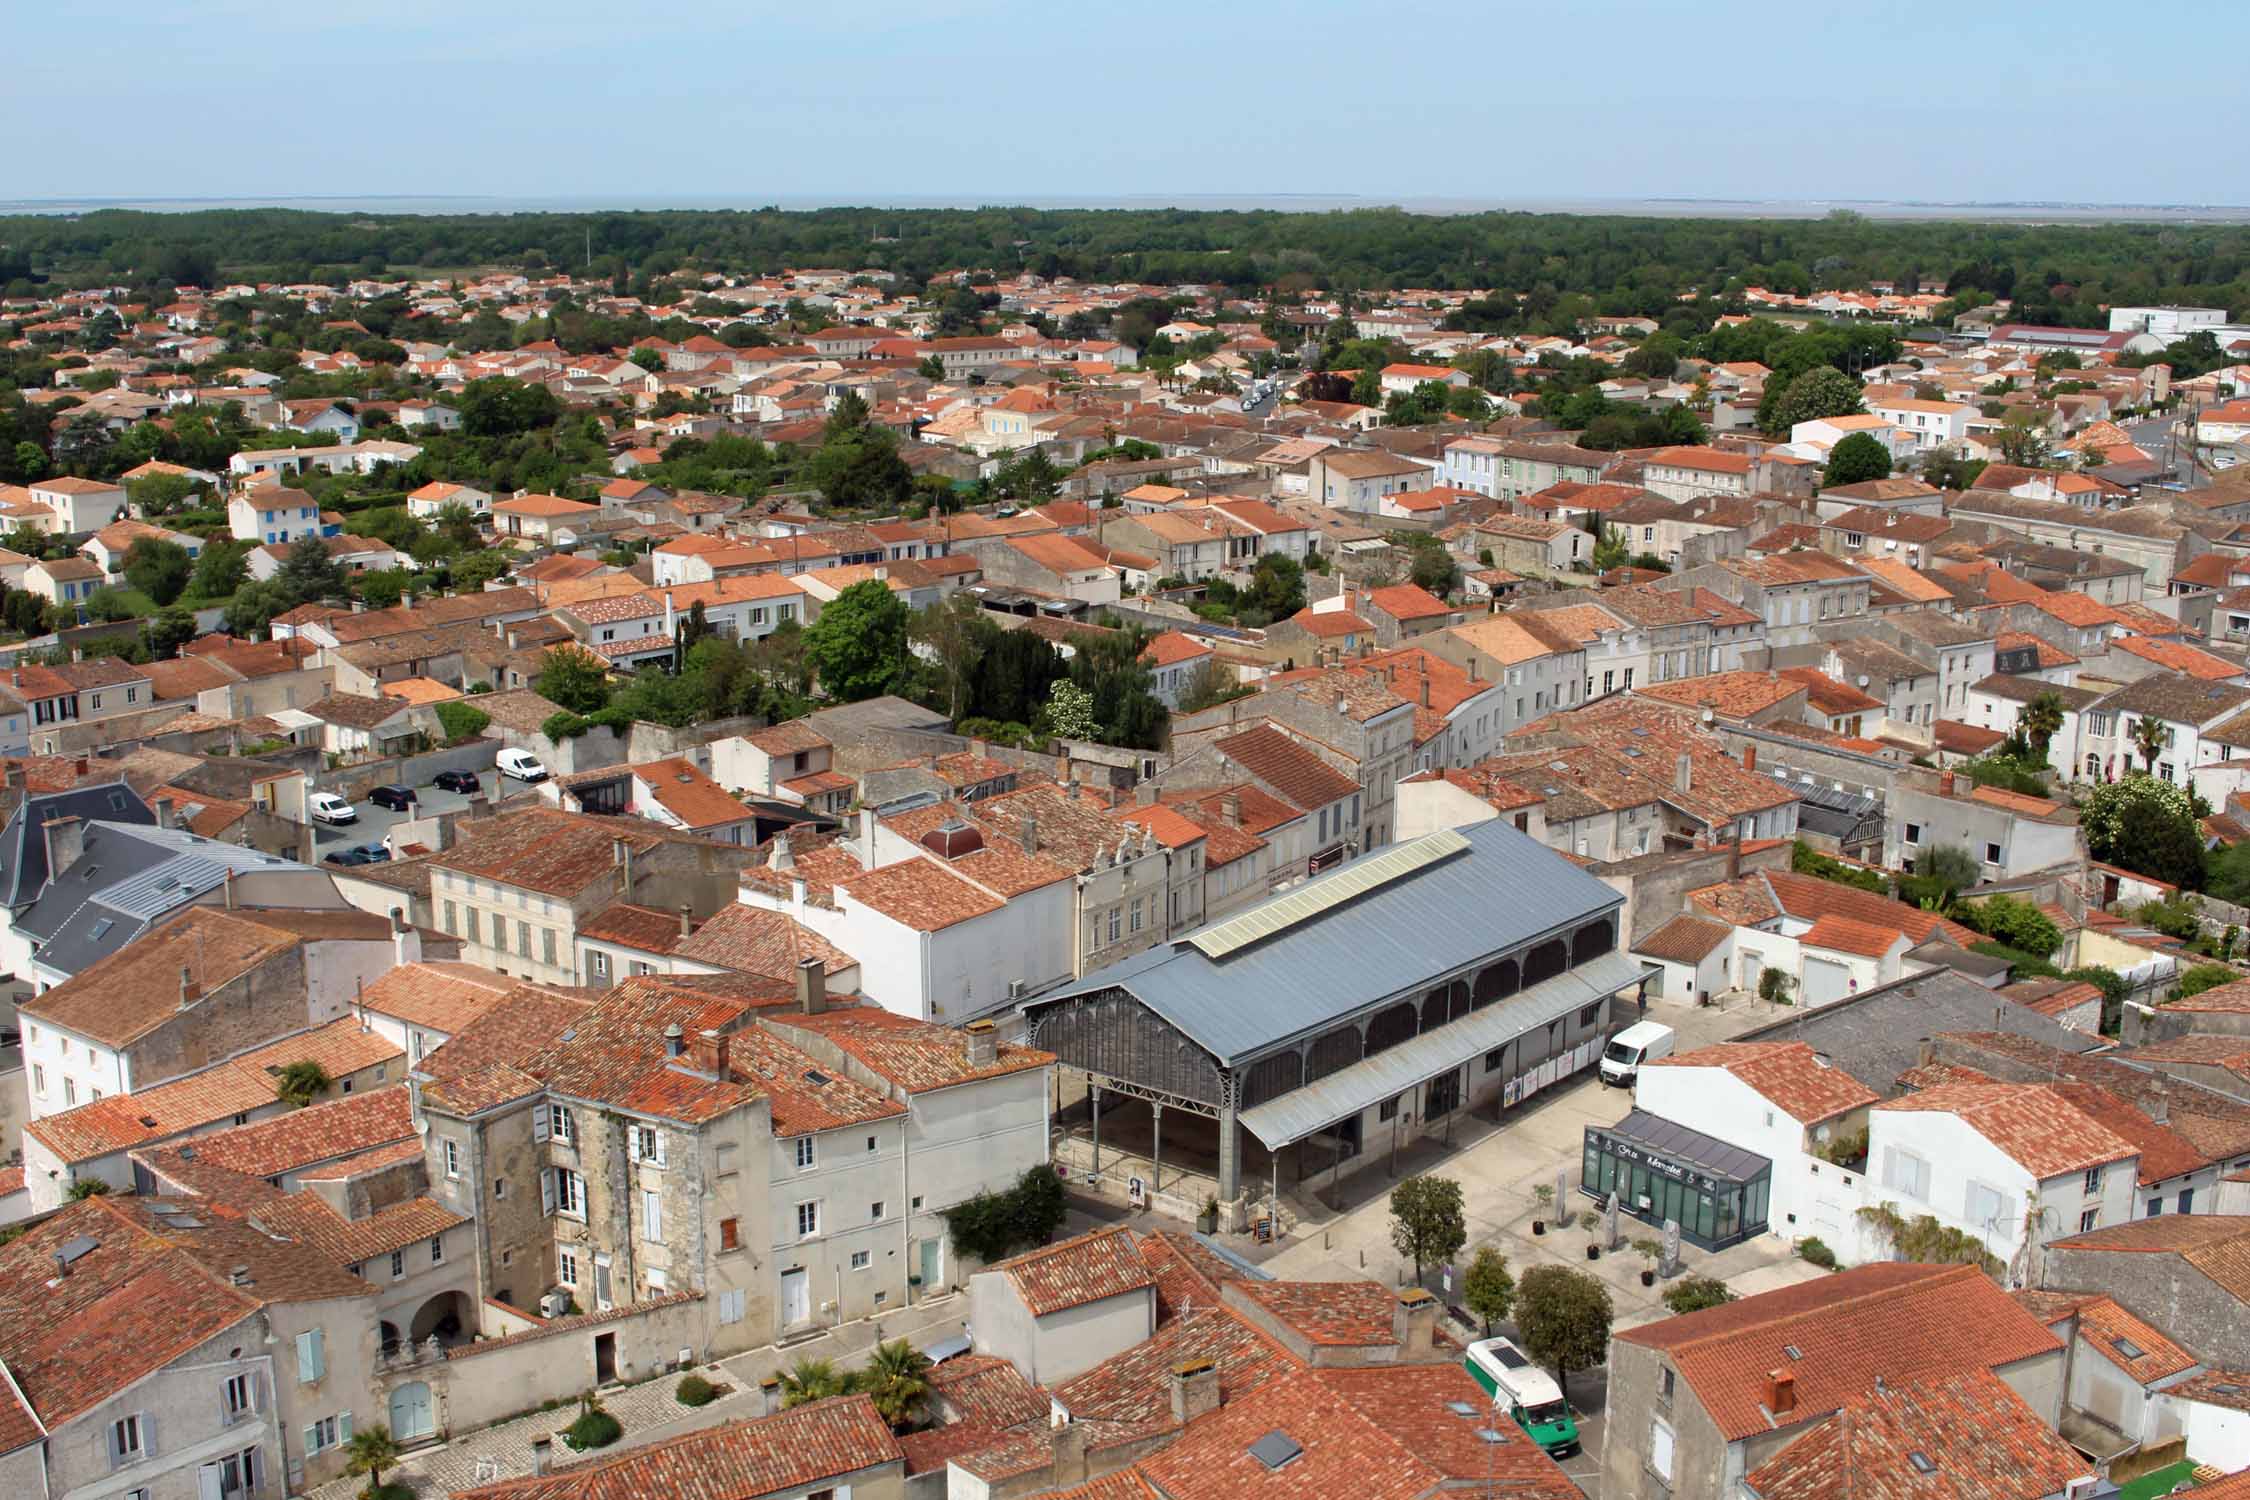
1643	1041
521	765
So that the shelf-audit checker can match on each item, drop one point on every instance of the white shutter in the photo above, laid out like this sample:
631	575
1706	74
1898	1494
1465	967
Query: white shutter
659	1135
343	1428
546	1190
148	1434
1660	1449
207	1483
312	1440
652	1213
539	1123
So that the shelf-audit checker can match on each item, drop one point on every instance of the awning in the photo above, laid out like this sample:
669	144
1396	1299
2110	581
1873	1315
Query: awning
294	719
1309	1110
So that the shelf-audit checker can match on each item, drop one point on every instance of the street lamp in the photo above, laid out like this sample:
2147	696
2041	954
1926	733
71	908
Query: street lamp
1490	1435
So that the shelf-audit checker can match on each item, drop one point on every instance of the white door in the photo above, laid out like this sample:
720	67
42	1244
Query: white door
796	1298
1825	981
207	1483
410	1412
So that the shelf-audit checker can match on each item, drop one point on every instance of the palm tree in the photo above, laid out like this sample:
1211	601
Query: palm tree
372	1450
812	1380
2150	736
896	1377
2040	721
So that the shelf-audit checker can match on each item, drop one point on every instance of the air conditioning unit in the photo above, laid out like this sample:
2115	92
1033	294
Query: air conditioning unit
554	1303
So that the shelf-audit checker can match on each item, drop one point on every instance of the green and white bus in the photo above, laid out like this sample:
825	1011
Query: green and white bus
1528	1392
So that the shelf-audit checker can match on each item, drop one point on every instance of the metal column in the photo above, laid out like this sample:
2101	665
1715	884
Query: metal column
1094	1095
1156	1149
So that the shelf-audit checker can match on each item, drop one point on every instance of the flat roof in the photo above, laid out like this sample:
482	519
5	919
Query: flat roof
1656	1137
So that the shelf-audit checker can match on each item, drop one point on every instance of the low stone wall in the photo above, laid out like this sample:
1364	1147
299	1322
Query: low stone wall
537	1360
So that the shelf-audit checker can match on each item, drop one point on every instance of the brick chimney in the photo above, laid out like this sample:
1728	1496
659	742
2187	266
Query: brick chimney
1749	757
1414	1323
1945	784
713	1049
1195	1389
812	986
1230	809
191	989
984	1043
1781	1392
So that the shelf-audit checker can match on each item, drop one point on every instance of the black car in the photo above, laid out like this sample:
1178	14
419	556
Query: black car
362	854
396	798
459	781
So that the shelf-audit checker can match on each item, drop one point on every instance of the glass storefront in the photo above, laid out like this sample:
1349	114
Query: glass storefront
1659	1171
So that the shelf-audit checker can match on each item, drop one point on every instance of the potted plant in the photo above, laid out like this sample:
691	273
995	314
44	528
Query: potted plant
1591	1222
1207	1221
1544	1195
1650	1251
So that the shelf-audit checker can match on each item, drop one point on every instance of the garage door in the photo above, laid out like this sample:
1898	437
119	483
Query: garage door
1825	980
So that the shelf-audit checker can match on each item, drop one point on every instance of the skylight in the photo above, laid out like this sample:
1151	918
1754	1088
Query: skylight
1922	1462
1275	1449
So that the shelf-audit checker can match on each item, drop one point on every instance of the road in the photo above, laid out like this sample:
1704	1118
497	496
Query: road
375	822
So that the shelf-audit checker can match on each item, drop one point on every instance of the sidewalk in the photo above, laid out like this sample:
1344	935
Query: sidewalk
648	1411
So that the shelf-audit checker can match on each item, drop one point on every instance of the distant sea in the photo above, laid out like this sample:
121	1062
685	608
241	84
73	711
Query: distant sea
1672	208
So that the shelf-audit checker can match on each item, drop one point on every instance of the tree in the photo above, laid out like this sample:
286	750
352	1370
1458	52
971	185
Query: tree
1488	1290
1950	865
1610	549
2148	826
478	569
311	573
371	1451
574	680
858	645
255	604
166	632
1126	708
87	1187
1822	391
896	1378
1434	569
1774	986
161	494
2019	924
1857	458
301	1083
1948	468
2206	977
1564	1318
2039	721
2150	737
811	1379
1428	1224
1277	586
498	406
2023	440
1695	1293
1069	713
220	570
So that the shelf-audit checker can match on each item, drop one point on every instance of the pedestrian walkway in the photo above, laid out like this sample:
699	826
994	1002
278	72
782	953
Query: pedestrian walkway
649	1412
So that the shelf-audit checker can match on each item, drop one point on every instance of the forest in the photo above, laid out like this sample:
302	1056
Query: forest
2054	273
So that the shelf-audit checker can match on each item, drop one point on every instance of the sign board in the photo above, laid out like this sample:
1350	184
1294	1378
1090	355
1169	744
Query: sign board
1625	1151
2016	661
1137	1190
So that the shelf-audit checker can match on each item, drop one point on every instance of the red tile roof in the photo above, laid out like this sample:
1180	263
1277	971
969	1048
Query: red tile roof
1288	767
1352	1314
1843	935
1790	1075
1087	1268
1977	1437
1683	940
2031	1123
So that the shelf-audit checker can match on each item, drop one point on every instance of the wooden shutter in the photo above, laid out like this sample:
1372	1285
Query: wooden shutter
539	1122
547	1190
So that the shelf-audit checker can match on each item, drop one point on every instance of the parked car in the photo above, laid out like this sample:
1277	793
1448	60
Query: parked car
468	782
396	798
522	765
360	854
327	807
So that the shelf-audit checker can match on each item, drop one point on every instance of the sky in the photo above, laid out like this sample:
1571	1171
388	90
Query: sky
1000	101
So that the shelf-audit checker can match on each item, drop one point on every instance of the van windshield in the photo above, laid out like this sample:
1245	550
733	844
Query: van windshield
1546	1414
1623	1052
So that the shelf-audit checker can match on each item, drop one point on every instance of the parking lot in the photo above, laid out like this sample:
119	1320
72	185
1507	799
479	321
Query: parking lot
375	822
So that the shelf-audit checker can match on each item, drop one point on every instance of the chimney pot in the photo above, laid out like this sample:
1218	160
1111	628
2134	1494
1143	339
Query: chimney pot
1749	757
687	921
984	1043
812	986
675	1040
1230	809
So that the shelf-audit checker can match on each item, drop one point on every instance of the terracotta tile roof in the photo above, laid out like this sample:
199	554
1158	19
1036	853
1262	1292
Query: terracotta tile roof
1330	622
1188	1275
1170	647
124	996
752	940
1129	1397
1900	1321
1810	897
477	1068
2233	997
803	1098
1790	1075
2032	1124
240	1085
1352	1314
691	796
921	894
1288	767
1843	935
786	1452
1405	601
1828	695
987	1391
916	1056
437	995
1977	1437
2116	1334
1087	1268
790	737
1734	694
1683	940
548	850
322	1132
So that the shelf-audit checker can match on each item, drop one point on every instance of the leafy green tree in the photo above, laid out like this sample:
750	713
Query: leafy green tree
2145	825
1950	865
1012	676
1949	469
858	644
382	589
161	494
574	680
863	472
2023	440
2039	721
1277	586
2151	737
310	573
255	604
1564	1317
479	568
1428	1223
2019	924
1610	549
813	1379
1069	712
87	1187
1126	707
1435	570
1695	1293
897	1378
2205	977
300	1083
1859	457
370	1451
498	406
221	568
112	604
462	720
1822	391
1774	986
1488	1290
166	632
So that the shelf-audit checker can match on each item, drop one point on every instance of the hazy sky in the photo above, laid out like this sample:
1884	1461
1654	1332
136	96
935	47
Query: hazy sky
998	100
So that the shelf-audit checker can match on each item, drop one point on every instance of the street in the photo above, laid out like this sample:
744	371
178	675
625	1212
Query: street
375	822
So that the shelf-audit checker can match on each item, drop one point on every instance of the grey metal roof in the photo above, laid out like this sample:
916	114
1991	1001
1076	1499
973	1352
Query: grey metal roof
126	879
23	844
1347	1091
1506	889
1678	1143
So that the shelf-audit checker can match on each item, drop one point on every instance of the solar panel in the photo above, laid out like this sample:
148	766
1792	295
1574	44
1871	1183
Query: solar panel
1510	1356
1275	1449
73	1249
1327	892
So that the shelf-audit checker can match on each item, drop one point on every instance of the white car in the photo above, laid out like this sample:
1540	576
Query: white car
327	807
521	764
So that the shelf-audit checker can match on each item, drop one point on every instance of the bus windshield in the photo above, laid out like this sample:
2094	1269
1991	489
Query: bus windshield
1546	1414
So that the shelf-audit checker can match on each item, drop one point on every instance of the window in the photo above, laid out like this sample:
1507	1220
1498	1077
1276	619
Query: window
652	1216
658	1279
804	1153
860	1260
2155	1207
2093	1179
437	1249
39	1080
732	1305
327	1433
648	1145
125	1439
875	1209
570	1193
70	1091
1906	1173
547	945
1660	1449
559	1125
871	1144
730	1234
523	939
312	1358
1913	835
1116	911
1992	854
2089	1221
1494	1058
1988	1208
597	963
1664	1385
1388	1110
452	1159
473	926
2187	1200
398	1264
234	1396
566	1267
808	1220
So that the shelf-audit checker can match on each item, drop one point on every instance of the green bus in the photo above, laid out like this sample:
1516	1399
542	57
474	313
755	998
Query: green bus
1528	1392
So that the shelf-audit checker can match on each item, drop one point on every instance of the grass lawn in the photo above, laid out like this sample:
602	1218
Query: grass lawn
2157	1481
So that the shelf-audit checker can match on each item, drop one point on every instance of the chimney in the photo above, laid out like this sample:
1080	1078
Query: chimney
1683	772
226	889
542	1447
1945	784
671	617
782	856
769	1394
77	653
984	1043
1230	809
1195	1389
406	943
1414	1323
867	838
66	840
718	1044
1070	1453
62	1266
675	1040
621	855
1029	829
1781	1392
1425	690
1472	667
1074	789
1749	757
190	989
2157	1103
163	812
687	921
238	1276
812	986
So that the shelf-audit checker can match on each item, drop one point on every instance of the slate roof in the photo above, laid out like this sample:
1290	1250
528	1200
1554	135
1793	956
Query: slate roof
23	845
